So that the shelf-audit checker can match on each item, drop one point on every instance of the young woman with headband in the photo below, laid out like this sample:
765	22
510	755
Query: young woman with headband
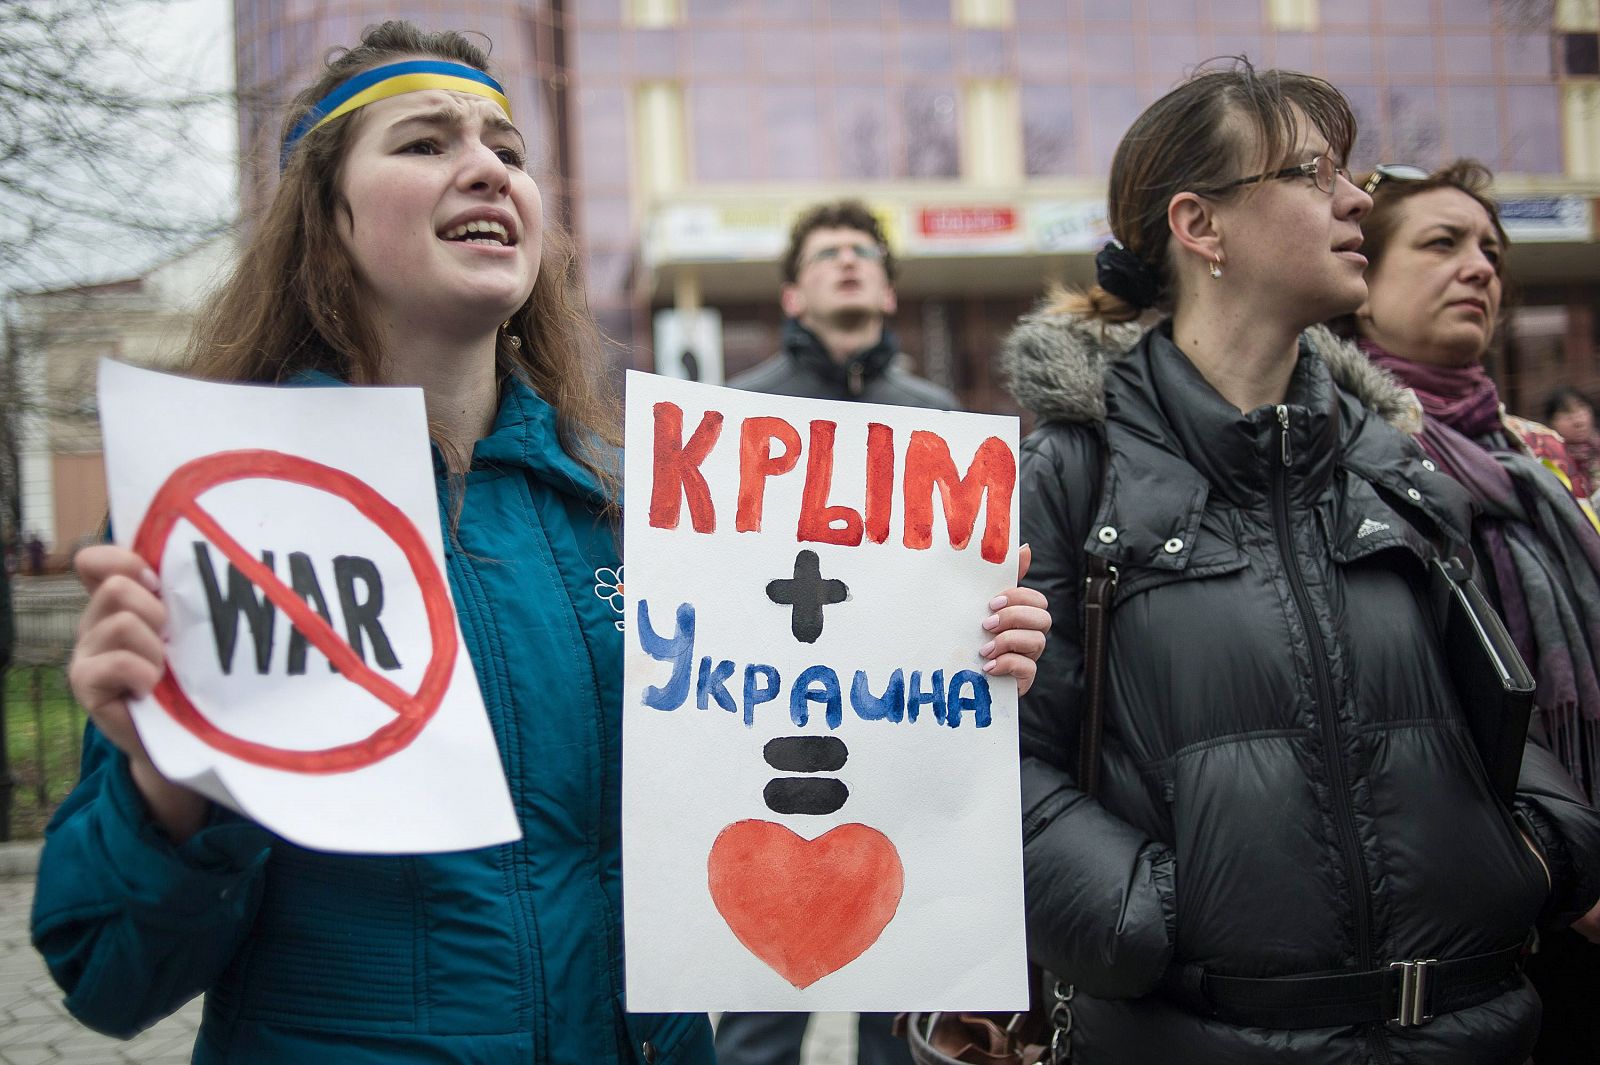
406	245
1293	853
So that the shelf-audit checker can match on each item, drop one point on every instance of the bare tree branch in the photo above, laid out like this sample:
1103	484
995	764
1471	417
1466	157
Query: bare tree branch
95	143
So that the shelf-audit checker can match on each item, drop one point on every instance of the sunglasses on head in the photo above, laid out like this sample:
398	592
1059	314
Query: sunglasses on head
1393	172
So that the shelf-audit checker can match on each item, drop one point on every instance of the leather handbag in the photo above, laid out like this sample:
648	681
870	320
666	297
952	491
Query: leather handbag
1037	1037
975	1039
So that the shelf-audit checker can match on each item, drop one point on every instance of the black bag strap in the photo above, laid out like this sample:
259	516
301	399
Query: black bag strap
1494	687
1099	586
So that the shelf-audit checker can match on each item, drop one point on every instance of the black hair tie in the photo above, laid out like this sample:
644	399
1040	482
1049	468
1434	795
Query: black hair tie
1125	275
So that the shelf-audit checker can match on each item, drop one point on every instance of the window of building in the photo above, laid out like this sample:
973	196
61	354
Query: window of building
1408	54
721	134
929	132
992	13
859	55
792	126
1110	110
781	52
1414	133
717	51
1236	11
653	12
1047	145
861	131
1527	53
1533	123
1349	54
926	52
1580	54
1408	12
1473	123
1292	14
715	9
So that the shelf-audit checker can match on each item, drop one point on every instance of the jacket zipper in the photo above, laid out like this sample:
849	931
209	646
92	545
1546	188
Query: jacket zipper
1327	713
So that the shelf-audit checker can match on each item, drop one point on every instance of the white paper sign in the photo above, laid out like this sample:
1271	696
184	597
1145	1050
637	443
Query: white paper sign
821	806
316	677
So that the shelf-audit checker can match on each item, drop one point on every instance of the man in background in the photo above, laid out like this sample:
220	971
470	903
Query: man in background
837	296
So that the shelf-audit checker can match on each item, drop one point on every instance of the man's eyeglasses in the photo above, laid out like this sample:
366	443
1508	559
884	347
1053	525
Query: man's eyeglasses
1321	170
867	253
1393	172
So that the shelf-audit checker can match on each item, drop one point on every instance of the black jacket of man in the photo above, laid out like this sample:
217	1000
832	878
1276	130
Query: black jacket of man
804	368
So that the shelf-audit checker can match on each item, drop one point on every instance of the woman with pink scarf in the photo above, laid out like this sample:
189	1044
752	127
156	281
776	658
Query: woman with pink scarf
1436	253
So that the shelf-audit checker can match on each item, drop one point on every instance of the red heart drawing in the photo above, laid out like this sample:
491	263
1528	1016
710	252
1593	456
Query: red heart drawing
806	907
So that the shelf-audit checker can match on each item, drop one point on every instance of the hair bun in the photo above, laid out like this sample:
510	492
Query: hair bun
1125	275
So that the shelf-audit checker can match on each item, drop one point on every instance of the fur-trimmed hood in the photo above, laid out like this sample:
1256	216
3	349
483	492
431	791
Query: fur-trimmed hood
1055	365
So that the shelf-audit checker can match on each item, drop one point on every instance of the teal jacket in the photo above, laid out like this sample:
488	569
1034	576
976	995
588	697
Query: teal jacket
500	955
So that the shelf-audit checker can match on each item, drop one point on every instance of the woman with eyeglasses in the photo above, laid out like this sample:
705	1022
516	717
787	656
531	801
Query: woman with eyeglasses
1292	853
1436	282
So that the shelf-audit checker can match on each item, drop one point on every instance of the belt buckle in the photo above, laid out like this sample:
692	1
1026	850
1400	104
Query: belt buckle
1413	992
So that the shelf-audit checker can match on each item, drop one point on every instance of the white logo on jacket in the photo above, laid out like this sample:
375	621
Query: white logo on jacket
1368	527
608	586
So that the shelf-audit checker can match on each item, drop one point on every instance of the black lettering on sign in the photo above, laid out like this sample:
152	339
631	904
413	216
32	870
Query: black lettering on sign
303	579
362	614
242	598
360	590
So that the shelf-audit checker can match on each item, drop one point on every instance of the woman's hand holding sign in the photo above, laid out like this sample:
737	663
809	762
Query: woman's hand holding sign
1020	620
120	654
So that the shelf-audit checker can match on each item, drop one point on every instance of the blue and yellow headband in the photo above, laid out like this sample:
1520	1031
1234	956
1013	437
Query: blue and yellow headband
380	83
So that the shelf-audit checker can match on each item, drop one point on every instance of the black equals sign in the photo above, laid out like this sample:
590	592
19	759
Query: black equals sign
805	754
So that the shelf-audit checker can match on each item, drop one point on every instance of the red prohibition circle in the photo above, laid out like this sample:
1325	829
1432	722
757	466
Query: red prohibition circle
177	500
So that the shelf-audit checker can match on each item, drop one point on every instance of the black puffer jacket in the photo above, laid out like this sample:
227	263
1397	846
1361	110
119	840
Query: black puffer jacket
1287	786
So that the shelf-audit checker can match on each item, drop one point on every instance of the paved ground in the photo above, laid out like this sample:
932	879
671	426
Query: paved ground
35	1030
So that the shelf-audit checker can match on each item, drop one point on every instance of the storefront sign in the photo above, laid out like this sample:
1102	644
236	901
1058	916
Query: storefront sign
962	229
1068	225
1547	218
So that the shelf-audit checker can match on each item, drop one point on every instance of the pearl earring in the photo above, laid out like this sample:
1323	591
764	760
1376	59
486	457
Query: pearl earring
1216	268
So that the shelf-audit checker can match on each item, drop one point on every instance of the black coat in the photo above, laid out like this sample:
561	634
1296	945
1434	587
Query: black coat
1287	784
805	369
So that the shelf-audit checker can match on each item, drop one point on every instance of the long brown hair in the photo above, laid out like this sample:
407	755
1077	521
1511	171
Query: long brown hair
293	302
1195	139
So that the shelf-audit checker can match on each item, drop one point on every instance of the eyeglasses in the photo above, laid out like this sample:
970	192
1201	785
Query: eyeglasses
867	253
1320	170
1393	172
